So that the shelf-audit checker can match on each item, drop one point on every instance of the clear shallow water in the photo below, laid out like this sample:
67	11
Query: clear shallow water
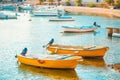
20	33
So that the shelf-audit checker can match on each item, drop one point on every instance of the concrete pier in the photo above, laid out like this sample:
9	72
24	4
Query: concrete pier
112	30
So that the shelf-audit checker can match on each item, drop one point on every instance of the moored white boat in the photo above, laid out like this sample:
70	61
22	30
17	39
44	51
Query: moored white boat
80	29
62	18
25	7
115	34
46	11
8	15
9	7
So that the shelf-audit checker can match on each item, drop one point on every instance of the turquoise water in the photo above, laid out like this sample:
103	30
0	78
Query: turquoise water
20	33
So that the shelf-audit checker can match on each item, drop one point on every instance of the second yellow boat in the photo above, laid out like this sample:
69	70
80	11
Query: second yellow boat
85	51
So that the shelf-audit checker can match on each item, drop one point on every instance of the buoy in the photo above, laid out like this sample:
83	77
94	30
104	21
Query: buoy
30	20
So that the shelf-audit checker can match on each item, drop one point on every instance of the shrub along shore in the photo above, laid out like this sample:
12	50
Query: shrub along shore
93	11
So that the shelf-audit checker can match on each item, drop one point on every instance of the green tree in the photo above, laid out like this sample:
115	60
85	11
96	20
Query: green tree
50	1
78	2
40	1
68	3
58	2
117	4
92	5
110	2
117	1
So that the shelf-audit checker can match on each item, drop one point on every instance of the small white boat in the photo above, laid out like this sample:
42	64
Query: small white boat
46	11
62	18
8	15
115	34
9	7
80	29
25	7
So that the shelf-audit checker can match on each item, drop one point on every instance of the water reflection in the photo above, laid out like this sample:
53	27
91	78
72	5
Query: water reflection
114	39
97	62
73	34
51	73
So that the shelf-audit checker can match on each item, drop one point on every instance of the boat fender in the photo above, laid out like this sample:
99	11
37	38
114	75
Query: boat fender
41	61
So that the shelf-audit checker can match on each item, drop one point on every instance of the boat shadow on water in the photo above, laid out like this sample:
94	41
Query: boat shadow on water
62	74
97	62
73	34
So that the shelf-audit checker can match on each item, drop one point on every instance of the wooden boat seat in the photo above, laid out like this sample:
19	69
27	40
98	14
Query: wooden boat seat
73	47
50	57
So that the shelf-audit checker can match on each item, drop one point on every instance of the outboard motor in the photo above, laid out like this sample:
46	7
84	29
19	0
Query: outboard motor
96	25
51	41
24	51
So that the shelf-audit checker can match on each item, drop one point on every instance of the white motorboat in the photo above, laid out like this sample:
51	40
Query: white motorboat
47	11
62	18
8	15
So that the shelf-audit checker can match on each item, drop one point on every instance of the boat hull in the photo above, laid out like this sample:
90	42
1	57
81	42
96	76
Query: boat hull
45	13
61	19
116	35
8	17
79	51
76	30
61	64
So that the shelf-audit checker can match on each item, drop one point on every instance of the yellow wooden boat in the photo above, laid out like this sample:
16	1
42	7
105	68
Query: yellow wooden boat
49	61
85	51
